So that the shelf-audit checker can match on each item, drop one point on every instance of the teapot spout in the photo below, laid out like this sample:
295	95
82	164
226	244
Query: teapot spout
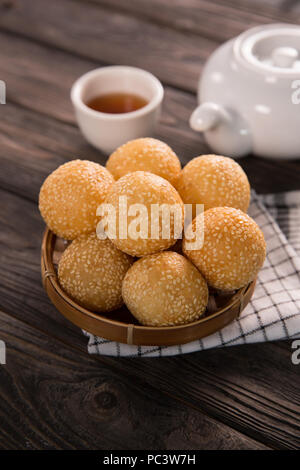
205	117
226	132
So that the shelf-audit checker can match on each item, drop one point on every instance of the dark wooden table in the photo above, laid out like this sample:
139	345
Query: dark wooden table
52	394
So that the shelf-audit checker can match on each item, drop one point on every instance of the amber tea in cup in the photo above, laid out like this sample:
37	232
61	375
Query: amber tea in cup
117	103
111	126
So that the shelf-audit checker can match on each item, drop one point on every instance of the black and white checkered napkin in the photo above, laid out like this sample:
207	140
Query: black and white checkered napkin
274	310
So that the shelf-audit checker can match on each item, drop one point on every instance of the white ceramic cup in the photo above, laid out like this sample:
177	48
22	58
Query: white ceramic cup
108	131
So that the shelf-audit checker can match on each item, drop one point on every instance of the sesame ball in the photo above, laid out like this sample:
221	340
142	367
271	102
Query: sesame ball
233	251
149	191
91	272
165	289
70	195
145	154
214	181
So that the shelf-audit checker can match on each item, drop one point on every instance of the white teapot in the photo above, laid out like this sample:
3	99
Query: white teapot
249	94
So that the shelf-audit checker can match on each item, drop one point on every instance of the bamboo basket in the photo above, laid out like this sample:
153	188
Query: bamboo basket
120	325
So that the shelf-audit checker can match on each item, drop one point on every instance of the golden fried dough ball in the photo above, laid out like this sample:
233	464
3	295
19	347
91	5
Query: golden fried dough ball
146	154
146	190
165	289
70	195
214	181
91	272
233	251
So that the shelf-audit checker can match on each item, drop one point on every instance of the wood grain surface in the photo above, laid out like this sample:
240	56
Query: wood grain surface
73	403
53	395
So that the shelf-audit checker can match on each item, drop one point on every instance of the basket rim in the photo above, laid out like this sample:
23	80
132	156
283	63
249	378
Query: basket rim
47	264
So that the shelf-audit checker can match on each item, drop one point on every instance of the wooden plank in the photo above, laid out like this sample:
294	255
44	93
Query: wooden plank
277	10
231	385
244	391
38	130
111	38
53	397
213	19
156	26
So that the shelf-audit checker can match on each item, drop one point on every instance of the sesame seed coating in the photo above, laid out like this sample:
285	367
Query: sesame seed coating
214	181
91	272
70	195
145	188
165	289
145	154
233	251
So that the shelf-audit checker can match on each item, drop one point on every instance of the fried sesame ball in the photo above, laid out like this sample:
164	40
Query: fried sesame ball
165	289
233	251
214	181
70	195
91	272
146	154
147	190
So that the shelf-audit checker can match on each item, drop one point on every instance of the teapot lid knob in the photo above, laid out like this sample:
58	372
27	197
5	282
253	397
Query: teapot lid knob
270	49
284	56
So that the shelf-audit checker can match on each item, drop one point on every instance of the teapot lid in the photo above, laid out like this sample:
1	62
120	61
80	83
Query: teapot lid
273	48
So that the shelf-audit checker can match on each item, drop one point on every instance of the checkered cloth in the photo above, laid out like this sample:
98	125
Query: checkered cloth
274	310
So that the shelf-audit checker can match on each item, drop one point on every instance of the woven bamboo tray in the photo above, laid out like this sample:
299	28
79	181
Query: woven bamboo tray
120	325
